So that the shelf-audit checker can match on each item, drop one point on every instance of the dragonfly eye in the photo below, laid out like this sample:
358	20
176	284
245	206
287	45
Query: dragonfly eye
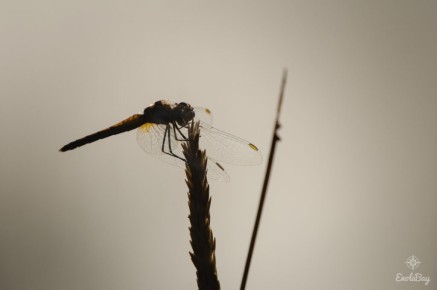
184	107
182	104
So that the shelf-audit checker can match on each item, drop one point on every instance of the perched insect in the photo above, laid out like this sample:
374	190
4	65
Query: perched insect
163	127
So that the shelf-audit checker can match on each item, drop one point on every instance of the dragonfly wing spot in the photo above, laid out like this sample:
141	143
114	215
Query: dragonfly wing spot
253	147
220	166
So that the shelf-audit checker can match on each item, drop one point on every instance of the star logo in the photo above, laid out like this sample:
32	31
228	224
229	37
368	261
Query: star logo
413	262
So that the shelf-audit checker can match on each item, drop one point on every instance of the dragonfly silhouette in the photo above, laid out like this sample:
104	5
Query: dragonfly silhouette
164	126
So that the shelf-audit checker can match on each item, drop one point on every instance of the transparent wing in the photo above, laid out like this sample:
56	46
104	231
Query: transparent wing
150	138
228	148
216	171
203	114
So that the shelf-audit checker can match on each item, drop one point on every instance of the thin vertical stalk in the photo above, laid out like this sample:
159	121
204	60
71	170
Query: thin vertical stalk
275	138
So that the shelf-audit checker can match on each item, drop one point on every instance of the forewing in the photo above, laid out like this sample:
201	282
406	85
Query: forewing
228	148
203	114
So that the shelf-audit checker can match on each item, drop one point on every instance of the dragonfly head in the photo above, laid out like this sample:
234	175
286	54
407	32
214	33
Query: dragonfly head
185	113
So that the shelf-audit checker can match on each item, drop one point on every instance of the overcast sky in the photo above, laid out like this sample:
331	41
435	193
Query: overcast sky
353	191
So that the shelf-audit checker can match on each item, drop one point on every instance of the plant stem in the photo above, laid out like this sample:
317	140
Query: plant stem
199	202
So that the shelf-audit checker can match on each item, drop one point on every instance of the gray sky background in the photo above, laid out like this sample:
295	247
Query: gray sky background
354	189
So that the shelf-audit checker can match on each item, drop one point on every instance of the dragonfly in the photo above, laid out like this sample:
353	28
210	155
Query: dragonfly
163	127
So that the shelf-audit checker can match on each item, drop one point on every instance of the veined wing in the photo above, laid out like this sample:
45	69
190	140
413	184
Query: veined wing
154	139
203	114
228	148
150	138
216	170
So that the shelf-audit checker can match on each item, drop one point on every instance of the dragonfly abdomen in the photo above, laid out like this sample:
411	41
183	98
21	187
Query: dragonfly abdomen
126	125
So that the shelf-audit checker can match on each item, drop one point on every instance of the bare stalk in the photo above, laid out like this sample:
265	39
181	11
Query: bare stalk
275	139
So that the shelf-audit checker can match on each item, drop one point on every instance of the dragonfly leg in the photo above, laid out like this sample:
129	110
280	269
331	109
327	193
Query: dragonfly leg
167	136
163	140
175	127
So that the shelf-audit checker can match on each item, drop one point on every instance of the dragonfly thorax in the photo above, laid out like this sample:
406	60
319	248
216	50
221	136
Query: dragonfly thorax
163	112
